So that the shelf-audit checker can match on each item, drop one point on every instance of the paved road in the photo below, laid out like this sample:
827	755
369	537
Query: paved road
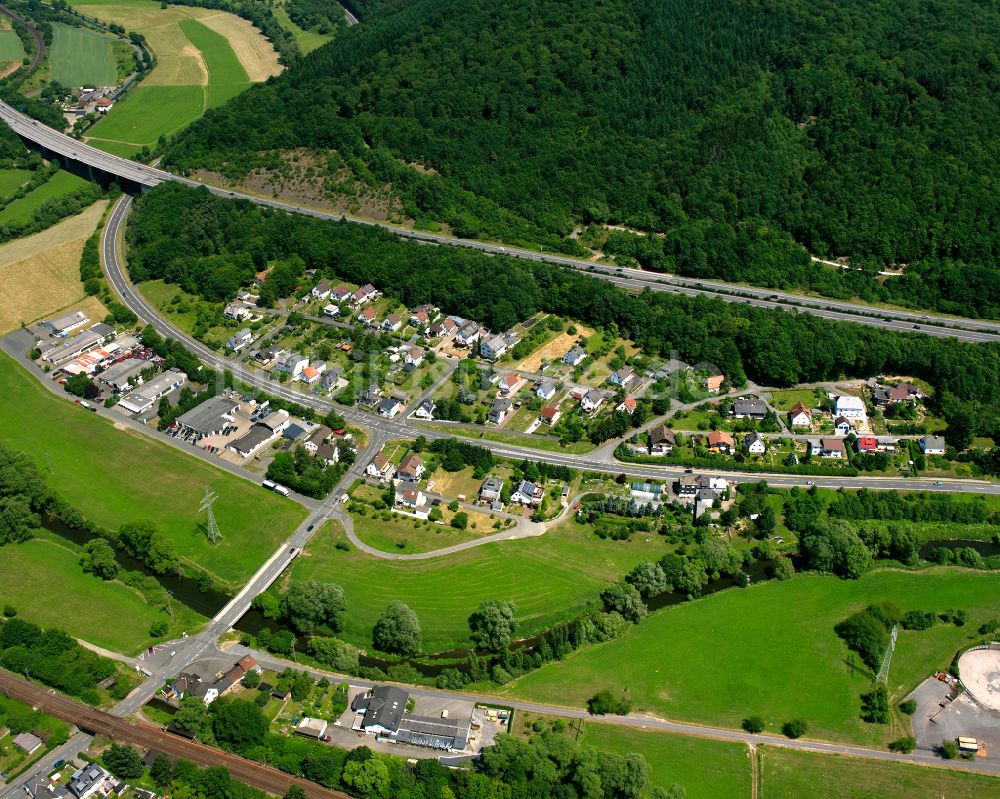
402	428
635	279
637	720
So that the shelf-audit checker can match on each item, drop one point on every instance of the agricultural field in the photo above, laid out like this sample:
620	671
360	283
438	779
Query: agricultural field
82	57
551	579
135	477
787	774
59	185
40	274
11	47
38	575
226	76
198	66
771	650
146	113
707	769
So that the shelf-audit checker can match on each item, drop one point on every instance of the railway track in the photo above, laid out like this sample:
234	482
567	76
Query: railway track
35	34
146	736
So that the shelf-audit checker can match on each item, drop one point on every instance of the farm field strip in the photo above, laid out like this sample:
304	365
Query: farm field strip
226	76
40	274
59	185
11	47
82	57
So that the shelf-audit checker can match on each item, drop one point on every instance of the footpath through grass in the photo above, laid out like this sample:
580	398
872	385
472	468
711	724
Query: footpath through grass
771	650
707	769
788	774
82	57
114	476
551	578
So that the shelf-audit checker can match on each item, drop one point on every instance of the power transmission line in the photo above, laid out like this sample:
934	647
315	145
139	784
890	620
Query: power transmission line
883	672
212	529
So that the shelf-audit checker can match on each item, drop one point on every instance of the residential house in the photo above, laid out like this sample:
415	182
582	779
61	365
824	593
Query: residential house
510	383
390	406
828	448
327	454
332	379
494	347
527	493
687	487
499	411
367	293
318	436
239	340
627	405
321	290
545	389
575	356
932	445
886	445
368	317
88	781
592	400
411	469
312	373
749	408
468	334
867	444
491	489
550	414
420	319
413	356
721	441
661	440
237	311
754	443
713	383
370	397
276	421
392	323
425	410
445	327
412	500
849	407
266	356
380	468
622	377
291	363
331	310
800	416
842	425
339	293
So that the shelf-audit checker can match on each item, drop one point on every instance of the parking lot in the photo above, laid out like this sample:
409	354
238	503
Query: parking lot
939	718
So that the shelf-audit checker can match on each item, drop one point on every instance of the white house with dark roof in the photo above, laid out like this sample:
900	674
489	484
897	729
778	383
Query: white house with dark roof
380	468
622	377
849	407
575	356
932	445
527	493
321	290
592	400
500	410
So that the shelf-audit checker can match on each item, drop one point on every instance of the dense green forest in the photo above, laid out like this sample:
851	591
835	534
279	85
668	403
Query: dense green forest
745	134
211	246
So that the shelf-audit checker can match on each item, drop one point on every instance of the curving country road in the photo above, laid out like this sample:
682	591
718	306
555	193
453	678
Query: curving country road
383	429
970	330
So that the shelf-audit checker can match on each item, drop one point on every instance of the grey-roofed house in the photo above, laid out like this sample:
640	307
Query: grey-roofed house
370	397
499	411
425	410
210	417
545	389
661	440
27	742
390	406
932	445
749	408
119	375
239	340
754	443
491	489
145	396
575	356
87	781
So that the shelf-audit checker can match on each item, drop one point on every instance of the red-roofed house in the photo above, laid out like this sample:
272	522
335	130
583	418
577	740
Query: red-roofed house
867	444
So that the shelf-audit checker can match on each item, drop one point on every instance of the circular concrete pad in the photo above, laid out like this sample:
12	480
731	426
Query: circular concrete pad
979	671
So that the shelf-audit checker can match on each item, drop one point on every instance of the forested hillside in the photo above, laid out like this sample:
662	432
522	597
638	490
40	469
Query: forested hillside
731	128
212	246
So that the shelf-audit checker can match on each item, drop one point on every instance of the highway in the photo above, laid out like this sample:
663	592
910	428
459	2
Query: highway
400	428
970	330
